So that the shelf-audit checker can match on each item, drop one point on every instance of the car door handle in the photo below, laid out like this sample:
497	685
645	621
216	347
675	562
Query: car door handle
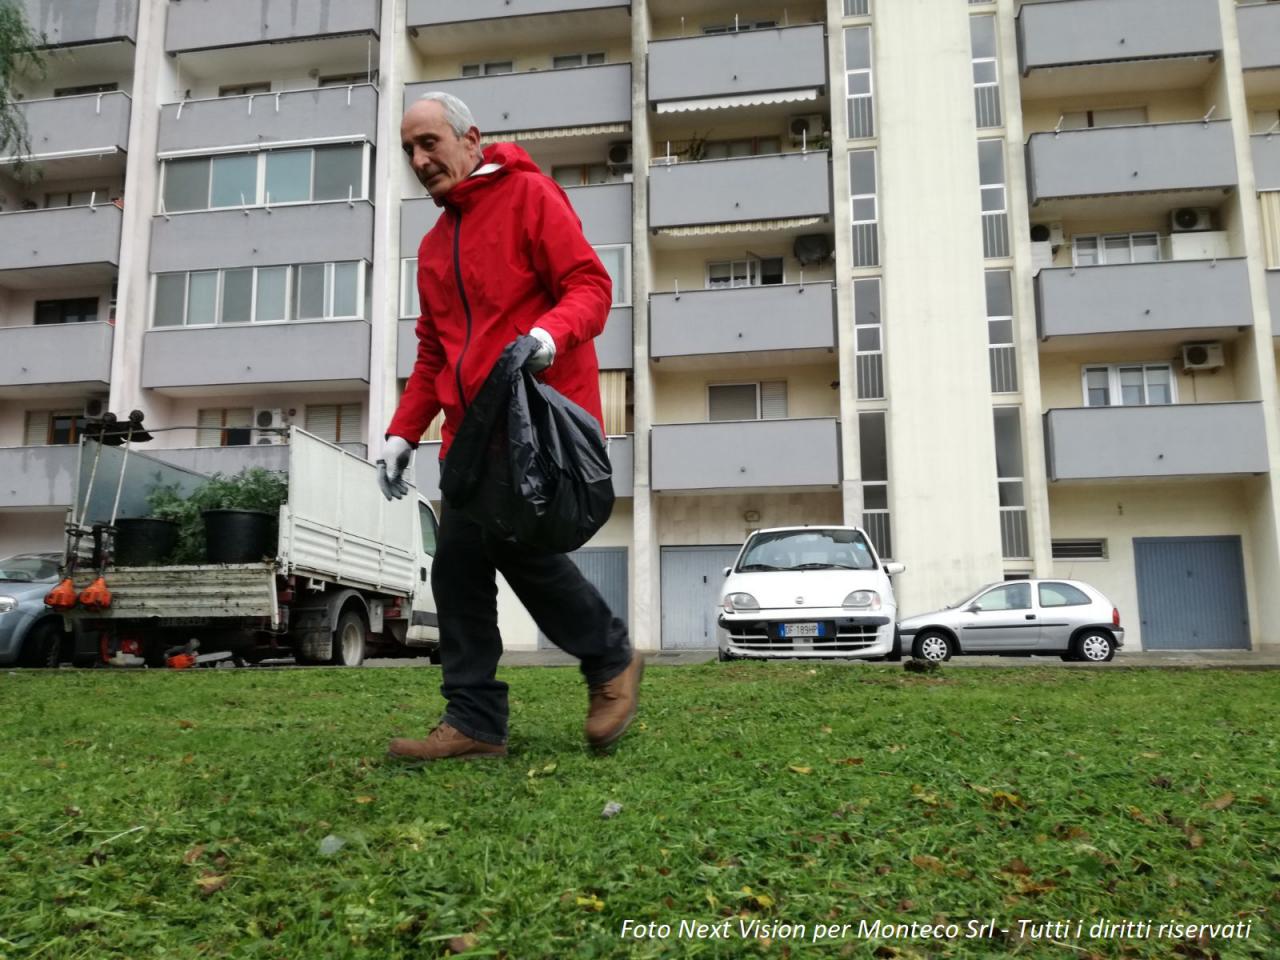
1031	616
422	574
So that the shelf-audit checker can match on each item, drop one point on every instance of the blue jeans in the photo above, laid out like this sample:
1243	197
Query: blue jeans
563	603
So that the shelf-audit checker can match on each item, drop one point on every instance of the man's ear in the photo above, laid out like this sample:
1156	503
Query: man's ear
472	136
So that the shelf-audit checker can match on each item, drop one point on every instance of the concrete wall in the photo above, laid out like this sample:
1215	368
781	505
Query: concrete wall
202	24
291	116
1097	31
733	64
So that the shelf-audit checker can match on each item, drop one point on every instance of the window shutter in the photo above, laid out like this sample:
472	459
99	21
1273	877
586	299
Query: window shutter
432	433
349	422
773	400
322	420
37	432
613	400
1271	228
209	428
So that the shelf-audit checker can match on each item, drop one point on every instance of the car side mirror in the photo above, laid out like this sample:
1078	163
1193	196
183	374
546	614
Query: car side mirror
727	570
892	568
974	608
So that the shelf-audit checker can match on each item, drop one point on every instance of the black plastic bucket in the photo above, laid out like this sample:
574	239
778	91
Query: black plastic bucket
144	541
238	536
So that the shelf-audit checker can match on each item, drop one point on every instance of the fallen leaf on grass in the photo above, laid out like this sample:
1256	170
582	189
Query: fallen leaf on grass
848	762
1002	800
71	811
194	854
1224	801
926	862
592	903
211	883
364	799
1031	887
463	943
186	725
1016	866
760	901
794	768
1194	840
189	758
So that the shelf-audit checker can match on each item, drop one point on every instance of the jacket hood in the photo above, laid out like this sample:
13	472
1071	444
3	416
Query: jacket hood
505	157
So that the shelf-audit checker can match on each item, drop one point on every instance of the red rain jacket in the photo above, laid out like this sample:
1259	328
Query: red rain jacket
507	255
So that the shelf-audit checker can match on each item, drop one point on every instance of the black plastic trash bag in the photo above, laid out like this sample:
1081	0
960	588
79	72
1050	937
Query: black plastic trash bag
528	464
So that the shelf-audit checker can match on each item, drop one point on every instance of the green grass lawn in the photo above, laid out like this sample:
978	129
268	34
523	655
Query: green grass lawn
178	815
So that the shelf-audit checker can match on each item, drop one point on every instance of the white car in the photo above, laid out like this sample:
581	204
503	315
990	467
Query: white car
809	592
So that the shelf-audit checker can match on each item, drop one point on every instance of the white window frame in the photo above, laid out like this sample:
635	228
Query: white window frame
593	58
874	222
1115	394
869	96
994	61
754	269
408	269
626	270
1100	248
757	384
873	369
291	274
483	68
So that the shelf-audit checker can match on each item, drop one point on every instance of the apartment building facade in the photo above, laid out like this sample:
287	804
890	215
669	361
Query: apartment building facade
996	281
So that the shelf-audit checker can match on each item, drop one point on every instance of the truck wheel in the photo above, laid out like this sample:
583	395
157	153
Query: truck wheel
349	640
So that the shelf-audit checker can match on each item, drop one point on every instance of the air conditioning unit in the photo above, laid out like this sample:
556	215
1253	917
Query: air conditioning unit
269	426
1202	356
806	129
94	408
1050	233
619	156
1186	219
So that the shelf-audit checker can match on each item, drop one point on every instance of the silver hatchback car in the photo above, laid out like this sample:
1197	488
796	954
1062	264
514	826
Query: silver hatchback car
1066	618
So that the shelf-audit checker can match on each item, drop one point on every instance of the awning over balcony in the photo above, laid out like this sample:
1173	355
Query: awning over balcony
746	226
557	133
741	100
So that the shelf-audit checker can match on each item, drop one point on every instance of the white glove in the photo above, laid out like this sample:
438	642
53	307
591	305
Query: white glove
545	355
396	453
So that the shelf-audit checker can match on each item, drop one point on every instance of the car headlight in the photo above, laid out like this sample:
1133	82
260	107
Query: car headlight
734	602
7	604
862	600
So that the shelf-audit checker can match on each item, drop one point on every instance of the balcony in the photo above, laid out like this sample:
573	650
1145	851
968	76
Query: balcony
1090	32
745	455
1144	159
65	23
60	246
1259	27
791	317
426	466
1266	160
231	460
76	356
742	190
543	100
736	69
206	24
38	476
1195	297
259	237
70	136
434	13
329	353
1179	440
270	118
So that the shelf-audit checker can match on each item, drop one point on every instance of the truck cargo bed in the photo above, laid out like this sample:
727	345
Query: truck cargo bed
183	592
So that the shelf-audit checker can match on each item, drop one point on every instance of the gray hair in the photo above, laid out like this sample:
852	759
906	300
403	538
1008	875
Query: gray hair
457	113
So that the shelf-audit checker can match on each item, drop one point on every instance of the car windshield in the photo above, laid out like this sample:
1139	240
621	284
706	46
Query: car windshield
970	597
28	569
807	550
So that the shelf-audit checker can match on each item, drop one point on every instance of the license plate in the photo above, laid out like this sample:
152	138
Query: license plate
802	629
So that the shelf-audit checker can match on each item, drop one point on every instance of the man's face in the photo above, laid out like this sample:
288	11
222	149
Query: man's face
439	157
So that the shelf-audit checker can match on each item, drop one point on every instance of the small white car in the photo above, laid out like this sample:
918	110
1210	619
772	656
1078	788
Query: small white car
809	592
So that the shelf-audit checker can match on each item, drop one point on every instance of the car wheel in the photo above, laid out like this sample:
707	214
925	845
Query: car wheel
895	652
933	646
43	645
725	656
1094	646
349	640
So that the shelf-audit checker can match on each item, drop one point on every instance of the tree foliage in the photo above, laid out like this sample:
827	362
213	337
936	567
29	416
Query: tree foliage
20	55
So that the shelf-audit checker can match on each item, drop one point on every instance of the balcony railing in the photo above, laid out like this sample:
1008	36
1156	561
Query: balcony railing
783	186
746	66
68	354
876	523
1259	28
1089	32
742	320
1015	540
1004	368
83	126
745	454
434	13
205	24
65	23
1266	159
35	243
41	476
870	367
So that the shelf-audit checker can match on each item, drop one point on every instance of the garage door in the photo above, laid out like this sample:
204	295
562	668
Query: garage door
606	569
691	581
1191	593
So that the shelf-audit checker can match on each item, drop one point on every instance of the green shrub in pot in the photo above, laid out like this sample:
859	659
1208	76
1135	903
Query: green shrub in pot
253	488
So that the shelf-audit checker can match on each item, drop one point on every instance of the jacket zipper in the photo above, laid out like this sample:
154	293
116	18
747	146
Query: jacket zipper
466	308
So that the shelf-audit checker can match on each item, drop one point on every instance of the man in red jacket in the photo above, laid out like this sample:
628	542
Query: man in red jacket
506	258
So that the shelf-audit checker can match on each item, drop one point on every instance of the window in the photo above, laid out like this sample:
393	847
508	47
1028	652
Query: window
1121	116
1062	595
857	79
617	260
1266	121
576	60
51	428
232	427
79	310
742	147
617	402
487	69
1079	549
857	8
348	79
308	175
584	174
995	217
986	71
335	422
86	88
747	401
244	89
409	305
754	272
1129	385
740	25
1001	351
1011	596
1014	539
874	461
76	198
309	291
427	520
864	208
868	339
1089	250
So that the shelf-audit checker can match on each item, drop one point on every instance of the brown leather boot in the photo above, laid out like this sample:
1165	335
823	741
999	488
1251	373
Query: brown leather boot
445	743
613	705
